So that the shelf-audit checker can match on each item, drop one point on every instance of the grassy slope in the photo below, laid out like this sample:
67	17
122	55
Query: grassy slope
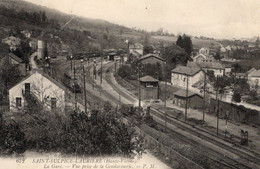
198	43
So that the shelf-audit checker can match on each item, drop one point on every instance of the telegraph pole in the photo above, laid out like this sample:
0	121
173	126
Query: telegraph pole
75	87
217	104
217	116
187	91
139	92
204	99
84	85
165	83
71	63
101	70
94	69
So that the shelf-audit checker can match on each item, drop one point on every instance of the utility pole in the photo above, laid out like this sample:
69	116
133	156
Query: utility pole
71	63
84	85
217	116
165	83
204	98
217	103
139	92
187	93
94	69
101	70
75	96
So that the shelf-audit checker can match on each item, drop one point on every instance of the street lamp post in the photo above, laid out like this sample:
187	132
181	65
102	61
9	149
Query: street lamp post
84	85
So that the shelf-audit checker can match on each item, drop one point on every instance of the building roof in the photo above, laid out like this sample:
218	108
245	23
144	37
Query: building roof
136	46
182	93
14	57
190	71
193	64
240	74
209	65
46	76
136	54
255	73
148	79
251	70
227	65
152	55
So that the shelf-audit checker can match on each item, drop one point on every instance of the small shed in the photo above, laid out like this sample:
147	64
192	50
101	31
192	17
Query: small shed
111	56
194	100
148	82
149	88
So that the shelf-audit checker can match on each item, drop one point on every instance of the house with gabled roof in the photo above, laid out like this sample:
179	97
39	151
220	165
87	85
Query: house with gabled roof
253	76
216	67
40	88
152	59
137	47
203	58
15	60
194	100
181	74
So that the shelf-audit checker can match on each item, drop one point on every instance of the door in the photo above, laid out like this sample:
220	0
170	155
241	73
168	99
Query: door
27	88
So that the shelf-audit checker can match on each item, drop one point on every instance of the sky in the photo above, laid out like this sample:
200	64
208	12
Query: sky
211	18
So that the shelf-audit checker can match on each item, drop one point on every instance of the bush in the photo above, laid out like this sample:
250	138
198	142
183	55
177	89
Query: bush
236	97
12	139
75	133
125	71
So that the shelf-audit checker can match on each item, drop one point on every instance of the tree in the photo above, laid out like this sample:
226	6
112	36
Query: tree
100	134
43	16
217	55
4	50
12	139
253	94
185	43
179	41
148	49
236	97
9	74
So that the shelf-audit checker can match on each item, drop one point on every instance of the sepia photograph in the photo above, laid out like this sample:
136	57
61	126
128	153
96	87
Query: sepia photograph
129	84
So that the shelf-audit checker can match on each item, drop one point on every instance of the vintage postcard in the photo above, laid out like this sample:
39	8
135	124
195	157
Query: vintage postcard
129	84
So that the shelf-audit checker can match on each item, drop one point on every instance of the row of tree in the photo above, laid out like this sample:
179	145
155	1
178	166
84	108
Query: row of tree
35	18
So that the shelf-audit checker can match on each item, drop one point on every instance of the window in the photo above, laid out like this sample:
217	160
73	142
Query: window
27	88
53	103
18	102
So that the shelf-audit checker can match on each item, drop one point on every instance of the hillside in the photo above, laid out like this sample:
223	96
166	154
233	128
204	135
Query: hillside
79	23
81	34
197	43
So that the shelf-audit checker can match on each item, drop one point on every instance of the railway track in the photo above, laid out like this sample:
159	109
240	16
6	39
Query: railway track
226	162
218	159
245	157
